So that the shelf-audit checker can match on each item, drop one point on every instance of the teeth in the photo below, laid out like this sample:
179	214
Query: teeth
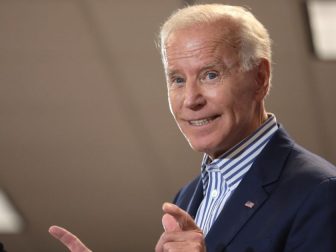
199	122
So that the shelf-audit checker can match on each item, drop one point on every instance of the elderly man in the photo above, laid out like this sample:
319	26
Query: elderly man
258	190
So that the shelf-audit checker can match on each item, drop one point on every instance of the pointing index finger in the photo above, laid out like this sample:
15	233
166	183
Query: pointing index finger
68	239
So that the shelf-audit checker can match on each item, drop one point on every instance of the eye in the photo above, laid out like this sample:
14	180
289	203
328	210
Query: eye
179	80
211	75
176	81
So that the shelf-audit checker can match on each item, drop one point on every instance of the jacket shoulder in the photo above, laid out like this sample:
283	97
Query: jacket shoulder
306	165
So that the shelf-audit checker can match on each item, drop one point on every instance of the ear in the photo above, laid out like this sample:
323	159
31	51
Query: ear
262	79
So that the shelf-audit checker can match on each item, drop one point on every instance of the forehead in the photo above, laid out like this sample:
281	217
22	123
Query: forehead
201	43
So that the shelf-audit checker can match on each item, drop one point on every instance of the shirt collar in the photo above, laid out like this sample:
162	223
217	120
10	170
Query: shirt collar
240	147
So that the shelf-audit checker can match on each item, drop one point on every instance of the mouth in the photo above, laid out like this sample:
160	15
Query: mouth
202	122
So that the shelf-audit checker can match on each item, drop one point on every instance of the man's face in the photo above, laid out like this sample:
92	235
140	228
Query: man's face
213	102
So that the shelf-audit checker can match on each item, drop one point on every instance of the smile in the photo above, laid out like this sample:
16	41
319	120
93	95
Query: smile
202	122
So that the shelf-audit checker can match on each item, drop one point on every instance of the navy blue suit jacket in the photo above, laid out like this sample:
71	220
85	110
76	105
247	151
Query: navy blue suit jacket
294	196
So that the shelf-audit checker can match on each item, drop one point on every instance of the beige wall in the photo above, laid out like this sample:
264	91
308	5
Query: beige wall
86	139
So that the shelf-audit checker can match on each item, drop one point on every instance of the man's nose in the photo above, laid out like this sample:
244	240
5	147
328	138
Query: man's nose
193	97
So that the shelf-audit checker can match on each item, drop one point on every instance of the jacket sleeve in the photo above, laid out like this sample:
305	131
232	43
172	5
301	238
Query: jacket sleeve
314	227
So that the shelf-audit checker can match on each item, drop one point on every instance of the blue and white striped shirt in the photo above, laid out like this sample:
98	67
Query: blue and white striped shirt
222	176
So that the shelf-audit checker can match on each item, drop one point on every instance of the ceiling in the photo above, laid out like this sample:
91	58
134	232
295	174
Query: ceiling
86	138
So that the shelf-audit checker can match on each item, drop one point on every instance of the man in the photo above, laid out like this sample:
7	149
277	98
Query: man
258	190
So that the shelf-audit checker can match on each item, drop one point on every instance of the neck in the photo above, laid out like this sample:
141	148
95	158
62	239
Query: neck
261	114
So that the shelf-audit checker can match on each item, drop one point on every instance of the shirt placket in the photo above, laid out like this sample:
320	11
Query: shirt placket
215	193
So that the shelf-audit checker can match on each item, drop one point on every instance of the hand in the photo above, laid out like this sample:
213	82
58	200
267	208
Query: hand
68	239
181	232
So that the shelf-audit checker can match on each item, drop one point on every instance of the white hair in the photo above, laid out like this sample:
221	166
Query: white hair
245	32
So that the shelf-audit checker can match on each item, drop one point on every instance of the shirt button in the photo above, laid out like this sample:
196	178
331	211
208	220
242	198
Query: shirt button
214	193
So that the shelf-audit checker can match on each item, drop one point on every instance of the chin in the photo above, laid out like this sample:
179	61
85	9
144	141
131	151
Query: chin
202	147
211	146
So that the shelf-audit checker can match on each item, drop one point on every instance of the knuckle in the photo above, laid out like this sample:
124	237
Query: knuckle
197	246
158	246
164	237
198	236
167	247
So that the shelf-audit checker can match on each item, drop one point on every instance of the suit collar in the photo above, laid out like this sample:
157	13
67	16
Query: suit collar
196	199
190	197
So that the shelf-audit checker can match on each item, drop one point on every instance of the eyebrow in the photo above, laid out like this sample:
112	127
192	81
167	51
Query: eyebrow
171	73
215	63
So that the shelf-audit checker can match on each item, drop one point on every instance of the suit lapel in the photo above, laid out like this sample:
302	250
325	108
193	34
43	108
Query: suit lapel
196	199
191	197
251	194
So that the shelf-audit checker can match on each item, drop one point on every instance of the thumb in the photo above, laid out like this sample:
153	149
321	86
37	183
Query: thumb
181	217
170	224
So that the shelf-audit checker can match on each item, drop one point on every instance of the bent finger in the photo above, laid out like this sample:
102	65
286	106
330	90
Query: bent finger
185	221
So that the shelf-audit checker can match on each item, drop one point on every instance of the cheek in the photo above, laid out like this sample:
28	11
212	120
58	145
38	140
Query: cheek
232	106
221	97
234	96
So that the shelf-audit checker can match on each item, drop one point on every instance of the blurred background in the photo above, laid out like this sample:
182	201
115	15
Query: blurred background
86	138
